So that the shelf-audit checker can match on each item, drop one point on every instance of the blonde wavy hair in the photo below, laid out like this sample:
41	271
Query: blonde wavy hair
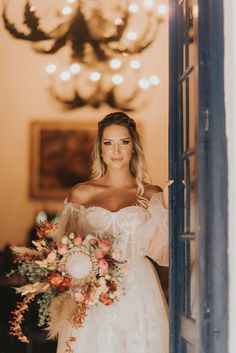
138	166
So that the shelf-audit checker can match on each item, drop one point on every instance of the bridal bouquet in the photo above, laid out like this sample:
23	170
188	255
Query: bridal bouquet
87	267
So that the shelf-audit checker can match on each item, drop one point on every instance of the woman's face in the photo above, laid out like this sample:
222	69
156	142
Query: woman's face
117	146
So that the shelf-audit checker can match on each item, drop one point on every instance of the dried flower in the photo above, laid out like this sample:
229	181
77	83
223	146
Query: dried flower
45	228
54	279
88	267
15	324
105	299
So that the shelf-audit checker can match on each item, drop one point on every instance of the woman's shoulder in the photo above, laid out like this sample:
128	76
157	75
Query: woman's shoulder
151	189
82	192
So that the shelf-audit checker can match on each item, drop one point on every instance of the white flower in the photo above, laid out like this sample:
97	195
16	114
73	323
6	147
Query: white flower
64	240
71	235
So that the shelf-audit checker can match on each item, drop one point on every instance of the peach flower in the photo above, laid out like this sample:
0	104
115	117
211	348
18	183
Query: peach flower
103	264
52	256
62	249
78	240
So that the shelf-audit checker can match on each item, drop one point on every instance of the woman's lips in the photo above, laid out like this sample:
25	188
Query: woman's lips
116	159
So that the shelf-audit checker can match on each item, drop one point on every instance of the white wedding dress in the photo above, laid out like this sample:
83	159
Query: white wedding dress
138	322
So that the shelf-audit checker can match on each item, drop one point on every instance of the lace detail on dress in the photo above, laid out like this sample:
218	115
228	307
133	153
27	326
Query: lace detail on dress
138	323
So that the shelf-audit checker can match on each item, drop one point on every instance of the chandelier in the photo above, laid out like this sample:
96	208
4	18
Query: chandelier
97	43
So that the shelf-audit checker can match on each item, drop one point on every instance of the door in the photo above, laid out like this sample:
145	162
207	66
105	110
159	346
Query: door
197	162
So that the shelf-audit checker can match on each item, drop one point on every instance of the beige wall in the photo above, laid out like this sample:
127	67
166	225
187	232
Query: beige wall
230	85
24	98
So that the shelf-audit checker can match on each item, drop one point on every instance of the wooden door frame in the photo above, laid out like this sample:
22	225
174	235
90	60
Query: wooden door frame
212	205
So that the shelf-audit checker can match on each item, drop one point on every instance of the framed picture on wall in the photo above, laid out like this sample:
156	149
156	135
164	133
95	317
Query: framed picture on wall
60	156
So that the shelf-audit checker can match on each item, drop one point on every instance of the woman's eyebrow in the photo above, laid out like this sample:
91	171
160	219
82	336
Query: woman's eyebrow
123	138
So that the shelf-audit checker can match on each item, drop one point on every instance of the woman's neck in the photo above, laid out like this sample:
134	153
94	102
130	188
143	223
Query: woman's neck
118	179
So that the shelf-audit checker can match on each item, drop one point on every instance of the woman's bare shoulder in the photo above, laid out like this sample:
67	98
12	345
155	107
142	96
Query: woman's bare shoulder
152	189
82	192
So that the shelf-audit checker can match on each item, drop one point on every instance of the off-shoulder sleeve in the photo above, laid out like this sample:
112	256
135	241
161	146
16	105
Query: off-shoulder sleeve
69	220
158	242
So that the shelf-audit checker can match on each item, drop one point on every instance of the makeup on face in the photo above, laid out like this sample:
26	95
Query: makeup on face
117	145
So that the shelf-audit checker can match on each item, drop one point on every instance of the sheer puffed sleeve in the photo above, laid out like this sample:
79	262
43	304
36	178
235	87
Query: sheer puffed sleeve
158	240
70	220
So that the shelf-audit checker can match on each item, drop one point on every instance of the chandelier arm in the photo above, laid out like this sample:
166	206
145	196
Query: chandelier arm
53	48
69	104
145	41
30	20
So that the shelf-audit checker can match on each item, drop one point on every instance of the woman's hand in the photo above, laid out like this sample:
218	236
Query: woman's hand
165	193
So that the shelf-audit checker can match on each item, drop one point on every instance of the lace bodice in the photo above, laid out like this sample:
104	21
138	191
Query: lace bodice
139	231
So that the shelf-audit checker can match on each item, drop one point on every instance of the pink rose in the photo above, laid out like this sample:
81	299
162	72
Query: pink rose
99	253
78	240
62	249
105	245
103	264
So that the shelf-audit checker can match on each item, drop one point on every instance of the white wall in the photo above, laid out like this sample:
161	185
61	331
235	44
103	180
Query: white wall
23	98
230	98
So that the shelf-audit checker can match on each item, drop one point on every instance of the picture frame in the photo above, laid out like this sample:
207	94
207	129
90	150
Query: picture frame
60	156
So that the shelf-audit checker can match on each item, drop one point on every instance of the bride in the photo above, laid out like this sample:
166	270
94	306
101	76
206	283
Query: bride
119	199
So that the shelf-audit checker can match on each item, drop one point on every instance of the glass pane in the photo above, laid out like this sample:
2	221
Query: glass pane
192	110
191	33
181	37
184	112
188	250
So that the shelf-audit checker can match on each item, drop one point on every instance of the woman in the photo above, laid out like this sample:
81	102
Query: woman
119	199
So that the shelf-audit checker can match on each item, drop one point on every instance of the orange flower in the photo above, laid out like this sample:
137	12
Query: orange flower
104	298
45	228
54	279
65	285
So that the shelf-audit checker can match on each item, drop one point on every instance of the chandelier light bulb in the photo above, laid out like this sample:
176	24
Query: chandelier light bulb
75	68
118	21
65	75
115	63
66	10
162	9
135	64
154	80
70	1
144	83
132	35
148	4
32	8
133	7
51	68
95	76
117	79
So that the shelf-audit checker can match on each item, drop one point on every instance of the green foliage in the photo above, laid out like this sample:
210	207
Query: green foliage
44	301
